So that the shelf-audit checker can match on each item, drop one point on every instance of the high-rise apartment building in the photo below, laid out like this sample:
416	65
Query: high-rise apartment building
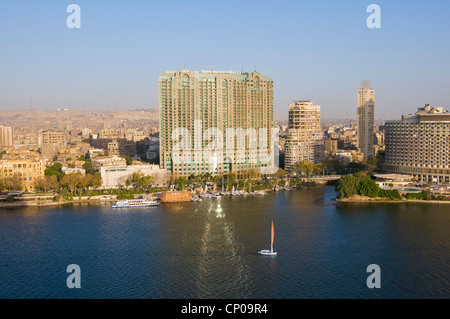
305	136
365	121
51	142
419	145
6	138
222	120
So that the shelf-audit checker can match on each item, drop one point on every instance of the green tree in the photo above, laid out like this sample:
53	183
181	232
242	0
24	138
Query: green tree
87	166
181	183
231	179
13	183
96	181
47	183
355	167
85	181
141	181
334	166
55	169
347	186
281	173
307	168
72	181
361	184
368	187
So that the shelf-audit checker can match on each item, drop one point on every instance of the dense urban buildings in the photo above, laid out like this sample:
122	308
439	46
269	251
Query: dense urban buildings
78	142
6	136
365	120
419	145
237	105
305	139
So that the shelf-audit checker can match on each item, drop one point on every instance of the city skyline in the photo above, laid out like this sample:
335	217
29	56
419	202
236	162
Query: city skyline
313	51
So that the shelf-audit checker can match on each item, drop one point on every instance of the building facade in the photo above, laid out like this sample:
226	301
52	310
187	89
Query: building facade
51	142
6	136
225	119
22	172
419	145
365	120
305	139
113	160
117	176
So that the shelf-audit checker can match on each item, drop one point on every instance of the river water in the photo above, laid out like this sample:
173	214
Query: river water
209	249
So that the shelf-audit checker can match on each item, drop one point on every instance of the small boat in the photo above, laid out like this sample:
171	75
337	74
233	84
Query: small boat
135	203
269	252
259	192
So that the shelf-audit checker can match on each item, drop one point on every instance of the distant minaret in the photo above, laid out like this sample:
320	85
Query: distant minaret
365	120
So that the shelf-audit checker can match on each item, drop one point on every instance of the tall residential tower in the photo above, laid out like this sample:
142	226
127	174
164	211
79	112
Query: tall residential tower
217	113
365	120
305	136
6	138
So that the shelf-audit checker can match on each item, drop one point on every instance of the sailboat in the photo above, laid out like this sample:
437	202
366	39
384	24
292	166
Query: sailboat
269	252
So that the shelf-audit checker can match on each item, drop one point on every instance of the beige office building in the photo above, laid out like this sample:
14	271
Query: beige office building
200	102
365	121
51	142
305	140
419	145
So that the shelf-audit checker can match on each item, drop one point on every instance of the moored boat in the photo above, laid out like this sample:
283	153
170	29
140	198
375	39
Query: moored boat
135	203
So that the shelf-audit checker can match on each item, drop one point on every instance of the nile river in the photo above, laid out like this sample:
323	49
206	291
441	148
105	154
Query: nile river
209	249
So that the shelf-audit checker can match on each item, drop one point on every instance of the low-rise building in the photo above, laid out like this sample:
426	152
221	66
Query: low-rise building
394	180
23	171
176	196
108	161
73	170
117	176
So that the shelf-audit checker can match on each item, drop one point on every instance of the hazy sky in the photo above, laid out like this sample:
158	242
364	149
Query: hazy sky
317	50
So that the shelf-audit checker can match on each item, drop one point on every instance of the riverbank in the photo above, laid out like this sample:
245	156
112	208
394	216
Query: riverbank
366	199
47	203
95	200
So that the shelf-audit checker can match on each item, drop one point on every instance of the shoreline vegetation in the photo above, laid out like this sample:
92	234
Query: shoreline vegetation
57	188
367	199
361	188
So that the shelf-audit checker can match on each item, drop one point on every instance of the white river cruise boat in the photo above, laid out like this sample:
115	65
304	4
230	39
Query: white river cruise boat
135	203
